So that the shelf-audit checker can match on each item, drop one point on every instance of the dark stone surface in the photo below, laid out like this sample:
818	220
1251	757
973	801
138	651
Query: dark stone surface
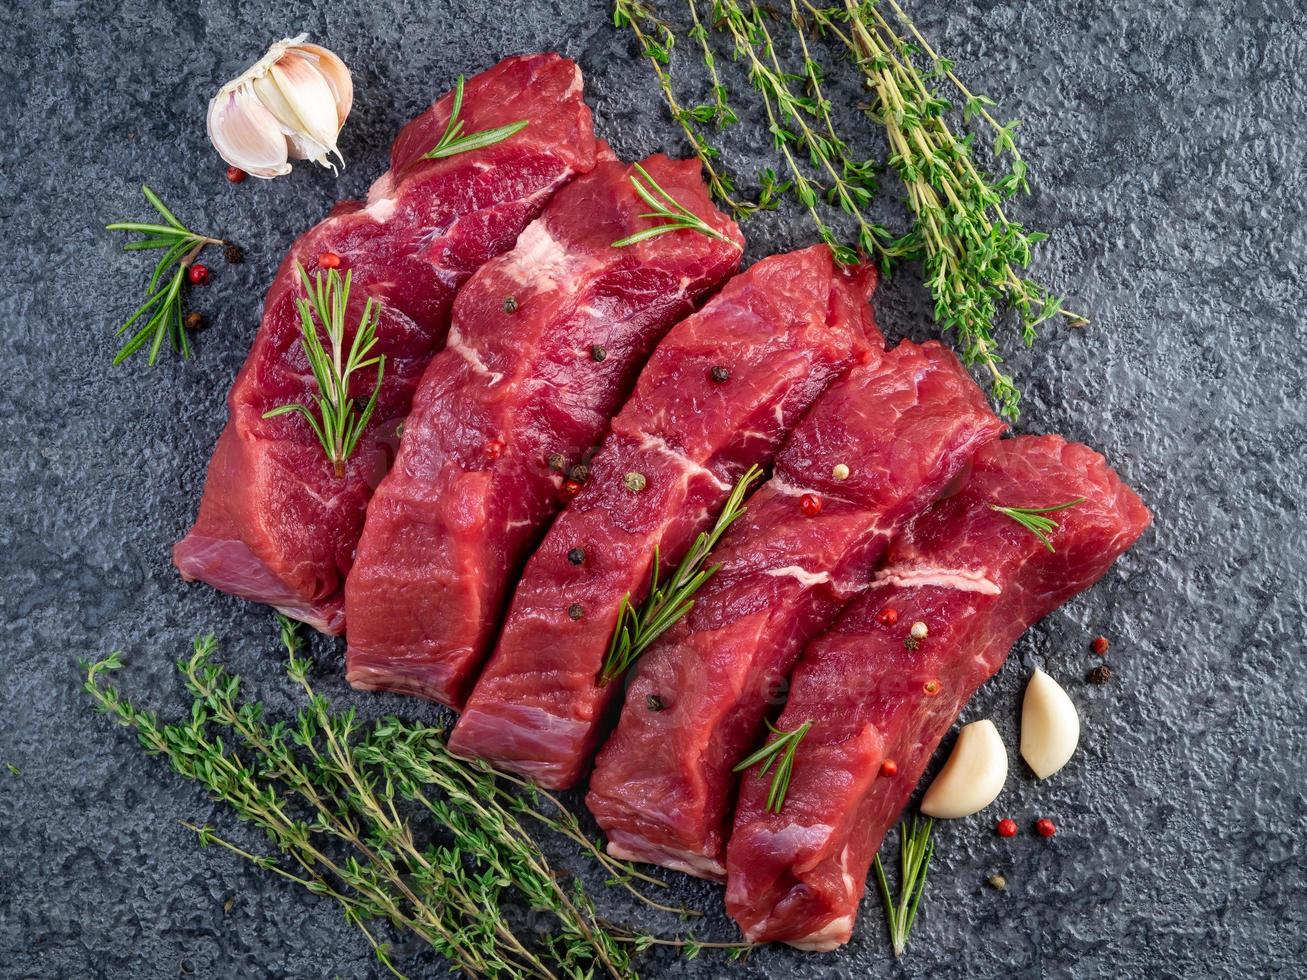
1165	140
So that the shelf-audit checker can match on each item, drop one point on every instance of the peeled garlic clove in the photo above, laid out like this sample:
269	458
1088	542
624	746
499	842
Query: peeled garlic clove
246	134
290	104
1050	727
973	776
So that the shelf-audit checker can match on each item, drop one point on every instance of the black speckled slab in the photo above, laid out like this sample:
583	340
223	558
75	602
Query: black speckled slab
1166	141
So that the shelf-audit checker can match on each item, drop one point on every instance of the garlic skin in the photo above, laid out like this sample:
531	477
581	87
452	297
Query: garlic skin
973	776
288	105
1050	727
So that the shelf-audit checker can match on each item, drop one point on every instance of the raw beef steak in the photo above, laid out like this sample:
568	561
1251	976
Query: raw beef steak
977	579
545	345
874	451
276	523
718	395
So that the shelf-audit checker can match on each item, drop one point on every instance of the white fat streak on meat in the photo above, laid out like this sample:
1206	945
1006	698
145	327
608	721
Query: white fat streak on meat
780	485
381	209
960	579
574	87
687	862
653	443
455	343
539	260
801	575
832	935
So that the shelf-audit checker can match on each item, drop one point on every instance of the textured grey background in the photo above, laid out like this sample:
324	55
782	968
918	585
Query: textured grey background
1165	141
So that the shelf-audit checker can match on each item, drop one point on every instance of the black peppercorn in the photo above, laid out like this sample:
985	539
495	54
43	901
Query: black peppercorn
720	374
580	473
635	482
195	321
1100	674
510	304
576	556
575	611
233	254
597	353
556	461
654	702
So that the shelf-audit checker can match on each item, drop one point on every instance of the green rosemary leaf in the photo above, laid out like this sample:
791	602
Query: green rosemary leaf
916	848
181	248
452	142
336	422
779	752
664	206
638	628
1033	519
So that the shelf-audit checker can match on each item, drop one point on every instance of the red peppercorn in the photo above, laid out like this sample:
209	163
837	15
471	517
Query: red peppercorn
1006	828
198	274
1045	827
495	448
329	260
810	504
236	174
889	768
571	488
888	616
930	688
1100	645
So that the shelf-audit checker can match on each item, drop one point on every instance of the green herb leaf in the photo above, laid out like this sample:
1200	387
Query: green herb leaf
637	629
390	825
334	419
453	142
663	206
1032	519
779	752
915	851
162	310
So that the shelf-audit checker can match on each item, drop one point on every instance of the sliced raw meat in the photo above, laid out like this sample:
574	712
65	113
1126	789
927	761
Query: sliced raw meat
902	431
977	580
545	345
775	335
276	523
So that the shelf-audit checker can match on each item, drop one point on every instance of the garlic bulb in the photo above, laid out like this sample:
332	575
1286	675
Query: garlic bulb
1050	727
973	776
289	105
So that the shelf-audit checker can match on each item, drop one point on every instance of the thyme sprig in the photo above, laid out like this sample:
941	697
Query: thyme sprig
335	420
637	629
339	802
656	40
915	850
163	304
973	254
779	752
666	208
1033	519
453	141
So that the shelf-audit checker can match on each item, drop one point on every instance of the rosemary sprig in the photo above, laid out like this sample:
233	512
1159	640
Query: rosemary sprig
453	141
778	752
336	423
663	206
915	850
1033	519
637	629
181	247
338	805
